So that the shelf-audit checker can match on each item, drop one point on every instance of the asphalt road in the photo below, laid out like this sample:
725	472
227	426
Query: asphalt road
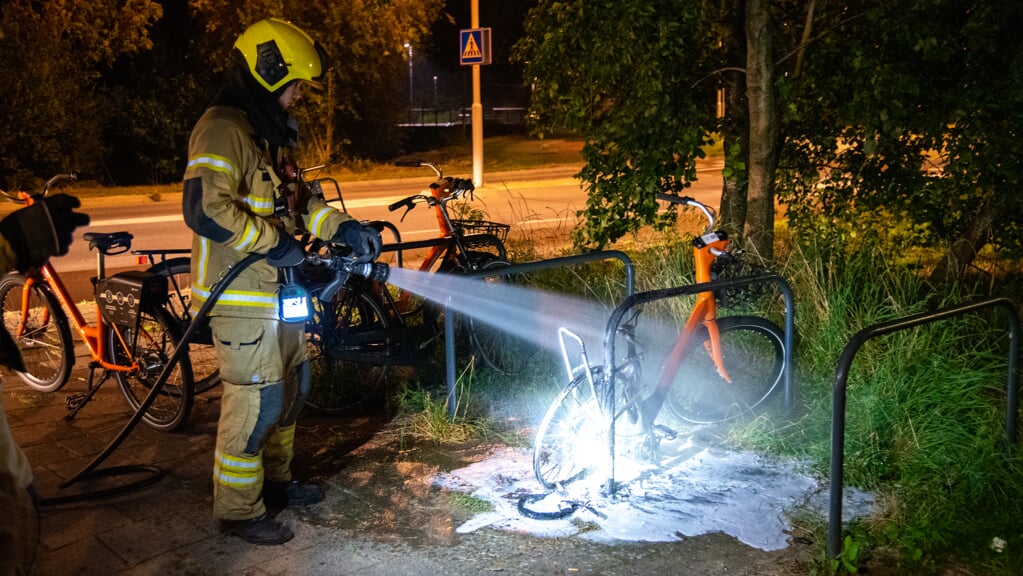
530	200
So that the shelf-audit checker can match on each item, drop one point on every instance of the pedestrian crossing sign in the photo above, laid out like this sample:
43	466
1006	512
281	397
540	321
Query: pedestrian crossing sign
474	47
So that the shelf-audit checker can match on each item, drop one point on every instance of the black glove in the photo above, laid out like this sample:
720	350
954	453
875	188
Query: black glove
43	229
364	241
287	253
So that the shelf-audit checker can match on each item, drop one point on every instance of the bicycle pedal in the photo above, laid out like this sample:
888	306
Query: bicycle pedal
75	401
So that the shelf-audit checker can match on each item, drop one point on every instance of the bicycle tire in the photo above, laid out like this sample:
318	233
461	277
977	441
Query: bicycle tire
565	448
753	350
341	386
203	354
158	334
45	342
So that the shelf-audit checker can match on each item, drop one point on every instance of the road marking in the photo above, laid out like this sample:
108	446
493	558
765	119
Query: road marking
364	203
148	219
368	202
541	221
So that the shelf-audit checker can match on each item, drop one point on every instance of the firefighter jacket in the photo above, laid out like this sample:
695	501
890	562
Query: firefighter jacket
231	189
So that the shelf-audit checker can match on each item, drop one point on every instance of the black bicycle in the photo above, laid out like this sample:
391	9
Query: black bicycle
365	327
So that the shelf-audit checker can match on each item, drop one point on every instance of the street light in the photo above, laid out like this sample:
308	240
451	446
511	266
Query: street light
408	46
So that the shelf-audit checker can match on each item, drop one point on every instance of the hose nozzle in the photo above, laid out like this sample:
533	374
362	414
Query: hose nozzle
374	271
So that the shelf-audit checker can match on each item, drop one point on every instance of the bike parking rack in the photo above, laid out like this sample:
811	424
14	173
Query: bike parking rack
449	323
664	293
842	375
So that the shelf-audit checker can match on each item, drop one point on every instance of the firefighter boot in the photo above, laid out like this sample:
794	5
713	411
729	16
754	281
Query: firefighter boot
290	493
262	530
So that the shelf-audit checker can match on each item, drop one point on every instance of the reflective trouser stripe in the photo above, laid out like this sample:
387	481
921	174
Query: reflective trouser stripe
237	471
237	486
278	452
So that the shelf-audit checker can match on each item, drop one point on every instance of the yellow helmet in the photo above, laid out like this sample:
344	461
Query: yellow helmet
277	52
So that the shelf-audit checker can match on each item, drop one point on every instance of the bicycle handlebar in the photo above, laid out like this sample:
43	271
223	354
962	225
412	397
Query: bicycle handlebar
59	179
22	197
457	188
689	201
406	202
421	164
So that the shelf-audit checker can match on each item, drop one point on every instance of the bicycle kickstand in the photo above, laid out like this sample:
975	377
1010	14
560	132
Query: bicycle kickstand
77	401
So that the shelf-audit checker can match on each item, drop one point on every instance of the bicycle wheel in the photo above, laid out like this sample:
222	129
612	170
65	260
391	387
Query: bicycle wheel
567	442
201	351
41	333
339	384
157	335
753	350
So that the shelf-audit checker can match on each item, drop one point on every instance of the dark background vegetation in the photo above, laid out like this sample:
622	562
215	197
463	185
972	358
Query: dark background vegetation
112	87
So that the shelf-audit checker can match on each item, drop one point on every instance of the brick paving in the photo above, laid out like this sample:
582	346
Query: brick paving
166	528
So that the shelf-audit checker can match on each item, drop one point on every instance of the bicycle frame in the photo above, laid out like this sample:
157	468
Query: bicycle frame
453	252
705	250
704	312
92	335
437	190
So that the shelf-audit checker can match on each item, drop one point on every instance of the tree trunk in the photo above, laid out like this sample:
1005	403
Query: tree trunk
734	185
735	124
964	250
763	134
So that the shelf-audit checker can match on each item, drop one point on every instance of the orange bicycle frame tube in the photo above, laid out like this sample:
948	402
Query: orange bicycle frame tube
705	312
437	191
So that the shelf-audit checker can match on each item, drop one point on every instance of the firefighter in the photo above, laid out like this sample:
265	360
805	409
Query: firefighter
28	237
236	203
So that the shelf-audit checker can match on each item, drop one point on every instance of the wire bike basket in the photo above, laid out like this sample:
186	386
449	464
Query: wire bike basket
470	227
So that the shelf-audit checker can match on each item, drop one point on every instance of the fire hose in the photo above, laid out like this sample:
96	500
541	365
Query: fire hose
153	473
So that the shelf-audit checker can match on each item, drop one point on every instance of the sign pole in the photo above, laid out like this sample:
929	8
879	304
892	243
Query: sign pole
477	111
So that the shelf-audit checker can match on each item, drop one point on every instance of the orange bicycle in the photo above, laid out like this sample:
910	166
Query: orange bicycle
719	368
132	338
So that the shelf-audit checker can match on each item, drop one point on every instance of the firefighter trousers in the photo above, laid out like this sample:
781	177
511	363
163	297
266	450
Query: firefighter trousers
265	373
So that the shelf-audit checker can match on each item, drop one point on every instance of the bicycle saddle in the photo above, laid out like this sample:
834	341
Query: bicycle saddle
108	243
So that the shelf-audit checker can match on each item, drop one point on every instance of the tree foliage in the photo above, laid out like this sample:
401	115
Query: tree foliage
867	96
908	114
51	102
359	107
112	87
622	74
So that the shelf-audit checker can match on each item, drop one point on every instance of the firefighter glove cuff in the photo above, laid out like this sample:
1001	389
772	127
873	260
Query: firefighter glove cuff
287	253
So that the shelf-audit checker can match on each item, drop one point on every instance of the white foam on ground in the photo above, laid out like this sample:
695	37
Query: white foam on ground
697	491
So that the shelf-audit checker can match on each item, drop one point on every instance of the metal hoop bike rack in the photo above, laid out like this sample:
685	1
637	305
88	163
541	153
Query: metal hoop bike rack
449	321
842	375
691	289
